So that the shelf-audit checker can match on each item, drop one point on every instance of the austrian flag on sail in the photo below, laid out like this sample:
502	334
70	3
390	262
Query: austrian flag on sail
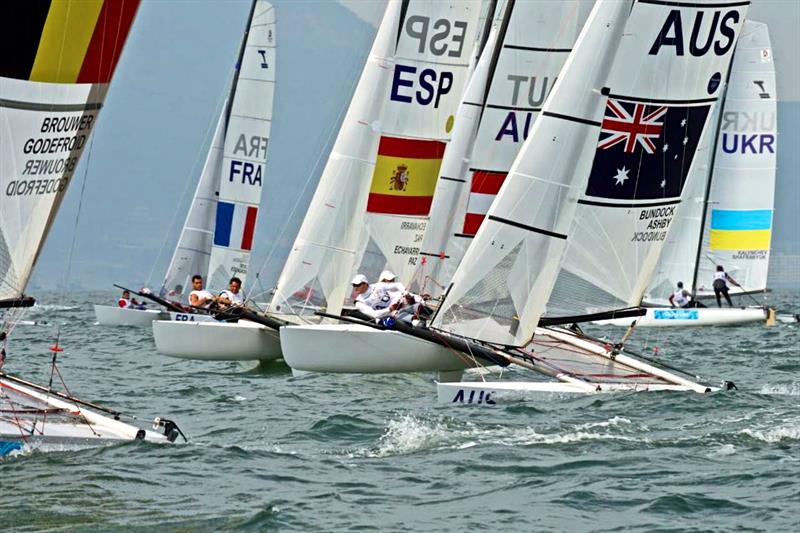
405	176
485	186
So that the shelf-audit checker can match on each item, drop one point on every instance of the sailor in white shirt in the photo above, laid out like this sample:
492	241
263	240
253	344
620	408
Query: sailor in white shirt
721	279
681	297
199	297
373	301
232	295
388	283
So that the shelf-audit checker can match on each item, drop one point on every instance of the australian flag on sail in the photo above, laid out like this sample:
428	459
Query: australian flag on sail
645	150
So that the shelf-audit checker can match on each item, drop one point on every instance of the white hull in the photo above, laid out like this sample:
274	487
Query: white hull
82	425
702	316
488	393
109	315
217	341
357	349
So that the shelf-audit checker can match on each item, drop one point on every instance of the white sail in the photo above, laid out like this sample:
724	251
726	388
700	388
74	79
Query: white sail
491	126
742	181
194	245
52	86
739	219
636	63
245	151
371	205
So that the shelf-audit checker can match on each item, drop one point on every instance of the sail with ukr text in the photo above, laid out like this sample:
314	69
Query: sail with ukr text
594	172
371	206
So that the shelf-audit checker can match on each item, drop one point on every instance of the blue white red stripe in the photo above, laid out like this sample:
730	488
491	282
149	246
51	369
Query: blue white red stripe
235	225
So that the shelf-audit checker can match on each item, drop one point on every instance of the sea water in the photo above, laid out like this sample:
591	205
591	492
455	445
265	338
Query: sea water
269	451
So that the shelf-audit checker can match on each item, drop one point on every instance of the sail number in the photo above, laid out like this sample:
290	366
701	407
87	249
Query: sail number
439	38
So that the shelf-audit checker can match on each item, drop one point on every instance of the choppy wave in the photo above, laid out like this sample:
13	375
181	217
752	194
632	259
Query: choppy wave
783	389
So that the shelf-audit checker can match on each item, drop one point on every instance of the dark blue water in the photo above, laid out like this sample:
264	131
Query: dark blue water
343	452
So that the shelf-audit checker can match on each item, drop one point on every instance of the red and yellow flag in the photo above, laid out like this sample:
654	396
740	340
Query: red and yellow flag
405	176
63	41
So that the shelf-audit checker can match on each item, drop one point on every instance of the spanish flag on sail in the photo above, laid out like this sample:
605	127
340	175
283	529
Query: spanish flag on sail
405	176
63	41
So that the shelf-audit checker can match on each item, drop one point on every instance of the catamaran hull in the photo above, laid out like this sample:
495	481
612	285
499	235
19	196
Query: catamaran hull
702	316
190	317
488	394
217	341
109	315
358	349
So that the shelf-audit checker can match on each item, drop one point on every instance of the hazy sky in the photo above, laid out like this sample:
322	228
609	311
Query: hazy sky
154	131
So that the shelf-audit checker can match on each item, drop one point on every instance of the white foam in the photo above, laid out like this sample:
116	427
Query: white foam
787	431
783	389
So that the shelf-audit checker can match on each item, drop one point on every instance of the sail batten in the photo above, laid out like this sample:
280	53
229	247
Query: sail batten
625	95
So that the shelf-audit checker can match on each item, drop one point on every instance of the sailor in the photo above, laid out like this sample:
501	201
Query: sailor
199	297
232	296
126	302
681	297
721	279
373	301
387	282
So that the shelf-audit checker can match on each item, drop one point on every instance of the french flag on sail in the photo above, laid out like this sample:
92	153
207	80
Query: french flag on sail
235	225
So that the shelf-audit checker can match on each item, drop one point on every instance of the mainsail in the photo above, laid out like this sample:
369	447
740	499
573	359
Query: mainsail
517	70
217	236
370	208
738	216
738	225
595	178
56	61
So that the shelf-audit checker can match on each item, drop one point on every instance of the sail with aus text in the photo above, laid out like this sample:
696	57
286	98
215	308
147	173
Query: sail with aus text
641	77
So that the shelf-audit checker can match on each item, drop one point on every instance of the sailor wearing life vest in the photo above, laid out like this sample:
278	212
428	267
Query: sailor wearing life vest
126	302
374	301
681	297
721	279
199	297
232	296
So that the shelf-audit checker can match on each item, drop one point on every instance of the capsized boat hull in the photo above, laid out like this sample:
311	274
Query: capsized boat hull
109	315
357	349
700	316
217	341
66	421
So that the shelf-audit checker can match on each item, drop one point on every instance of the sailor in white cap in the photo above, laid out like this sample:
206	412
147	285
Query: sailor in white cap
387	281
370	300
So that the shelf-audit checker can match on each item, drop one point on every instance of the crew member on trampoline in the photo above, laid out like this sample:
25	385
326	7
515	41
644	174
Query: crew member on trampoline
721	279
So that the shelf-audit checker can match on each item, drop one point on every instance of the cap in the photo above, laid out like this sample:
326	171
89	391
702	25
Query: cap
359	279
387	275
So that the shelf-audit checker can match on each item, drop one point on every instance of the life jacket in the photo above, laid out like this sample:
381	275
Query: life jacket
679	298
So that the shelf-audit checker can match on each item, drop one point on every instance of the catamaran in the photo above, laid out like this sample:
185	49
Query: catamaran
218	234
727	219
52	86
518	67
566	239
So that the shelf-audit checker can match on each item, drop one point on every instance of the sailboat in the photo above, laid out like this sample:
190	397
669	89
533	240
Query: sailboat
517	69
218	234
565	239
727	219
53	83
237	165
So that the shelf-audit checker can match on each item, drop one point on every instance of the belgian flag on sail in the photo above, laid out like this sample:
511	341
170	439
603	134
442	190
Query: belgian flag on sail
405	176
63	41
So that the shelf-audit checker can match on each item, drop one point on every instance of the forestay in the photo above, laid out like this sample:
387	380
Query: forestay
516	72
371	205
738	227
245	151
54	73
594	172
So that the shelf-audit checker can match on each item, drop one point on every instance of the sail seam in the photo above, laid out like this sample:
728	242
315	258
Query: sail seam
571	118
536	48
526	227
513	108
452	179
629	205
32	106
674	3
660	101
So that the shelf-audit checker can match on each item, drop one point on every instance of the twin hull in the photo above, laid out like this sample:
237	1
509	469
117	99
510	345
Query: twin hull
111	315
217	341
700	316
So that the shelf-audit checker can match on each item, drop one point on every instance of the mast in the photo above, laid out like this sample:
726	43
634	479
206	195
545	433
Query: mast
501	37
710	177
239	63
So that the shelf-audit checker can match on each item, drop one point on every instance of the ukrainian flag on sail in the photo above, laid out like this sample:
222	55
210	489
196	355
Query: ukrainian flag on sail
741	230
405	176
